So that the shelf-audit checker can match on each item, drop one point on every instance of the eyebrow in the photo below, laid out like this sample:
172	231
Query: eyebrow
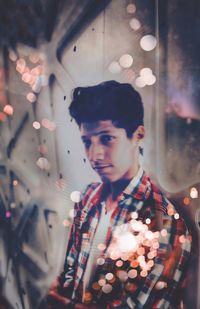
99	133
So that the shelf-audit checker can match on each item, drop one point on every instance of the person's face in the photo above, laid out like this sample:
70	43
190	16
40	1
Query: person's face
111	153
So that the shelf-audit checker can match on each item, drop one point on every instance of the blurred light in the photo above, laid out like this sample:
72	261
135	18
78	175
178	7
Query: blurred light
12	205
20	65
140	83
114	67
102	282
134	264
132	273
163	233
145	71
15	182
50	125
34	58
150	263
12	56
96	286
43	163
8	214
182	239
126	61
119	263
87	297
72	213
131	8
141	251
176	216
135	24
127	242
100	261
66	223
160	285
36	125
149	235
122	275
148	42
26	77
194	193
109	276
155	245
143	273
42	149
186	200
137	226
101	247
31	97
107	288
75	196
140	258
45	123
114	255
170	210
148	221
37	70
150	80
134	215
8	109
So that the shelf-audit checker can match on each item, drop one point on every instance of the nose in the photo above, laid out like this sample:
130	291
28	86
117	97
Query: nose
95	153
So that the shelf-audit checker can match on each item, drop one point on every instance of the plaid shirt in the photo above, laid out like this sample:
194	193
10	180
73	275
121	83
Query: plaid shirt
172	256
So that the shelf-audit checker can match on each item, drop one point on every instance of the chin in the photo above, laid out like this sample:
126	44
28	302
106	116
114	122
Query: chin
107	179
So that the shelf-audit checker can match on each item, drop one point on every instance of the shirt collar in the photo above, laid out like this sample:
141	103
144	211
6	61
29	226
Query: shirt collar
139	188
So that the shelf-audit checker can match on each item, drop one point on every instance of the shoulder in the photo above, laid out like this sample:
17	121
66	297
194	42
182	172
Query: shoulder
87	194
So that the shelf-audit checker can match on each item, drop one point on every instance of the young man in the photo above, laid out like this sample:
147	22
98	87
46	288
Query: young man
128	248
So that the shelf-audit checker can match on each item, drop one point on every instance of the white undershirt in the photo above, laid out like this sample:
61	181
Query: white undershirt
99	238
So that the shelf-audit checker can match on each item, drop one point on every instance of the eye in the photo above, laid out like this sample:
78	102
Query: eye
86	143
106	139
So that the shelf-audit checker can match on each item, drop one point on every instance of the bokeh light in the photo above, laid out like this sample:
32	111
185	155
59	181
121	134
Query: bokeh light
135	24
139	82
43	163
75	196
114	68
131	8
194	193
36	125
8	109
126	61
148	42
31	97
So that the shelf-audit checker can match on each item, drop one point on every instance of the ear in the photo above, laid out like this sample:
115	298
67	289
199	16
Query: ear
139	133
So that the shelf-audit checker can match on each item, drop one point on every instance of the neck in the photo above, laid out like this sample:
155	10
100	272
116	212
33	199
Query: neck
114	189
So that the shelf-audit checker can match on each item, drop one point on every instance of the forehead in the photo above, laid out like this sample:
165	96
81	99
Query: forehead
96	127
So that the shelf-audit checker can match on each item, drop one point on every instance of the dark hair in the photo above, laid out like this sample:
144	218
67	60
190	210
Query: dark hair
109	100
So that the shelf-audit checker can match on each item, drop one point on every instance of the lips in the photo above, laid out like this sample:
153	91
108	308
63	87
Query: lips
101	168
